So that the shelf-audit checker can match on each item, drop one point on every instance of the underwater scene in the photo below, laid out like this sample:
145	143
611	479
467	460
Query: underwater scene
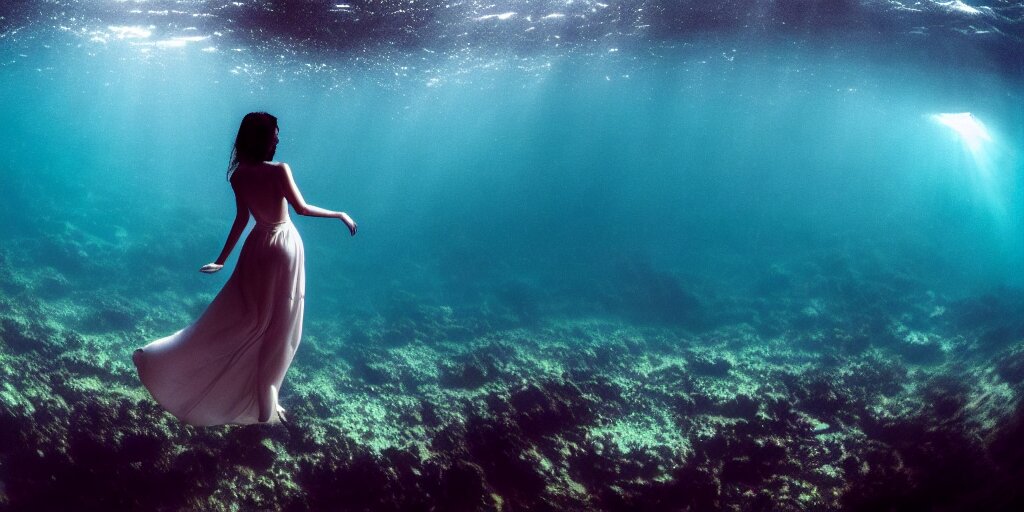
612	255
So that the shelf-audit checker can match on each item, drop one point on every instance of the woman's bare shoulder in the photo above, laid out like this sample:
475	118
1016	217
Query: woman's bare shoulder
276	166
253	170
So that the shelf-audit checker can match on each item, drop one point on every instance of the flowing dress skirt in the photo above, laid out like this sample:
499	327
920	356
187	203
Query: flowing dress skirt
220	369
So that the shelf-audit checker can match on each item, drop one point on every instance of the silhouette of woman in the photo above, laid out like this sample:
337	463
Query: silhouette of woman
227	367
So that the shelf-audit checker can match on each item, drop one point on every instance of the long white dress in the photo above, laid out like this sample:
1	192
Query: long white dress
219	369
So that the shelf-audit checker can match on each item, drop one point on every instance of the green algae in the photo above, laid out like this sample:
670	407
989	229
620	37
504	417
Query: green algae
644	431
653	393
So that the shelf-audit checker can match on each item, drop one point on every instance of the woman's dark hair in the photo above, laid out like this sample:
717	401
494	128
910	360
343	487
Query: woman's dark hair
255	140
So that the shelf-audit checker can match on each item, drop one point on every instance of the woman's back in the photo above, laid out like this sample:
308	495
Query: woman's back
234	357
259	187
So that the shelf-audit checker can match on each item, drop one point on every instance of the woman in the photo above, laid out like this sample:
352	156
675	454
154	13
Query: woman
228	366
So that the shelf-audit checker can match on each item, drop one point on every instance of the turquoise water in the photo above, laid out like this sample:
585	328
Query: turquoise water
587	233
708	161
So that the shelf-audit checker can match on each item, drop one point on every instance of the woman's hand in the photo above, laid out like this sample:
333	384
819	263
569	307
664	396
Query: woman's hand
349	222
210	268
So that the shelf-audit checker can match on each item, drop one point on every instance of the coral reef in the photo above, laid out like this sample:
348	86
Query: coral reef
834	388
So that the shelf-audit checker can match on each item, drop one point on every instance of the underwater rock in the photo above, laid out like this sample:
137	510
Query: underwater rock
753	463
399	335
508	460
51	285
709	366
821	395
740	406
645	294
248	446
549	408
143	447
463	375
14	428
469	371
22	337
679	378
874	377
358	337
368	366
314	402
1010	365
605	396
464	487
351	478
918	465
849	343
1006	446
110	314
944	398
575	415
997	316
511	450
920	348
65	252
92	462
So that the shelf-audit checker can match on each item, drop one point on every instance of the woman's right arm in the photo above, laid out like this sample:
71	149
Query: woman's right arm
241	219
294	197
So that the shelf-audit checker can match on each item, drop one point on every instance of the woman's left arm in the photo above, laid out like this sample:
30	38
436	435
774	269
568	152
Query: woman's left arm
241	219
